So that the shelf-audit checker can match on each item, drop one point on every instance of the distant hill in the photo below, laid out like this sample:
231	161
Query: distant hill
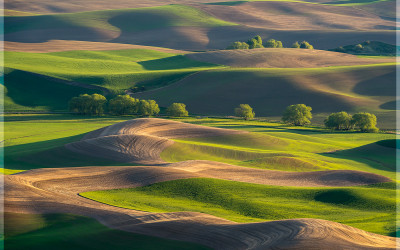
373	48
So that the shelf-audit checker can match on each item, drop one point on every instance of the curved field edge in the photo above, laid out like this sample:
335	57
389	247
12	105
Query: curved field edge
67	231
371	208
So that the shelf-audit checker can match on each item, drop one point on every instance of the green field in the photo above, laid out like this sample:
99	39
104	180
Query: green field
65	231
371	208
116	71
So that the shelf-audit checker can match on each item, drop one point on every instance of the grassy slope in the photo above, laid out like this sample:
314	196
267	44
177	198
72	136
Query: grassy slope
123	20
371	209
115	70
36	141
278	147
270	91
64	231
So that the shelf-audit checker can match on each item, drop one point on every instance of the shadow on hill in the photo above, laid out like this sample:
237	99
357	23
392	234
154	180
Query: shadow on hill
33	90
379	155
174	62
390	105
383	85
51	154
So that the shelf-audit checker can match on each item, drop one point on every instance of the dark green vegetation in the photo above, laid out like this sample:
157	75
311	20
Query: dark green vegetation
64	231
369	48
88	104
371	208
244	111
177	110
297	114
256	43
366	122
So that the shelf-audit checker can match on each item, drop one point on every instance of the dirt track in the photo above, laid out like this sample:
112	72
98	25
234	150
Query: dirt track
56	191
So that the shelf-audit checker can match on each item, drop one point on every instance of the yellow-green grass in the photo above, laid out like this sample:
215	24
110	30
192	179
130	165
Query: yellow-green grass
115	70
10	171
270	91
122	20
371	208
277	146
66	231
36	141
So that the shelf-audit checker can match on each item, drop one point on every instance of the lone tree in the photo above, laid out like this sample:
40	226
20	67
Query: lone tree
86	104
245	111
177	110
339	121
148	107
272	43
306	45
365	121
297	114
238	45
123	104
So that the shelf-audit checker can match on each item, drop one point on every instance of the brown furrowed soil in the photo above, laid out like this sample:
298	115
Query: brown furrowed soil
283	58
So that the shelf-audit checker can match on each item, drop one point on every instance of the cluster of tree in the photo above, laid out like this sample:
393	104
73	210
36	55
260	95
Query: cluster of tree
300	115
88	104
120	105
369	48
256	42
366	122
302	45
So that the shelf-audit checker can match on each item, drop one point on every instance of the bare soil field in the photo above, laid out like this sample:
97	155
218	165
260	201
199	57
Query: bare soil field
299	16
283	58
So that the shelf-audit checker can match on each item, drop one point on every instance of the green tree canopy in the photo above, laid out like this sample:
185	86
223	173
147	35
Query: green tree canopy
297	114
88	104
340	121
272	43
148	107
177	110
306	45
238	45
365	121
245	111
255	43
296	45
123	104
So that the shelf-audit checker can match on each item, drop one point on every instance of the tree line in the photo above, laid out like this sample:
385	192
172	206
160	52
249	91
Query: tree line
95	104
300	115
257	42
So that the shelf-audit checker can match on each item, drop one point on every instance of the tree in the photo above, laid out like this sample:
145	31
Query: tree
297	114
245	111
255	43
148	107
340	121
306	45
238	45
296	45
365	121
88	104
123	104
177	110
272	43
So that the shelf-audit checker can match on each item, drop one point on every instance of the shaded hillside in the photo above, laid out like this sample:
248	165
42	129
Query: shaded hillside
269	91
